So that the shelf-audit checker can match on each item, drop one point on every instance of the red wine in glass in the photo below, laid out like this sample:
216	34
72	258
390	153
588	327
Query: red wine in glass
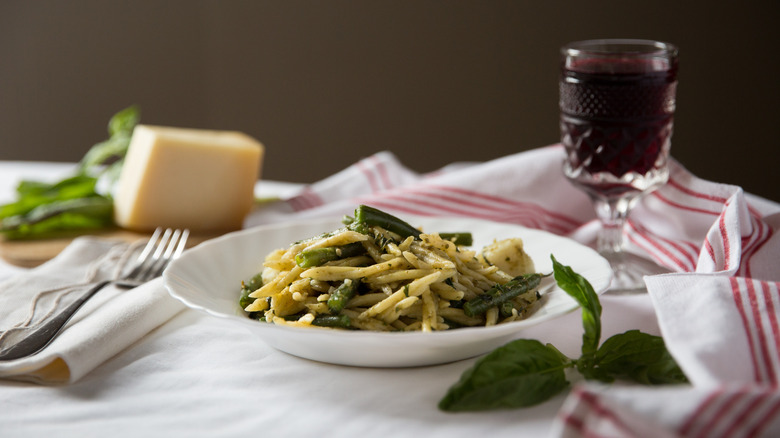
616	122
617	102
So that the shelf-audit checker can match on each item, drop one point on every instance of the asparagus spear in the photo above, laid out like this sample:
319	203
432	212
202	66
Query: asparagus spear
338	299
501	293
248	287
460	239
366	216
71	204
319	256
335	321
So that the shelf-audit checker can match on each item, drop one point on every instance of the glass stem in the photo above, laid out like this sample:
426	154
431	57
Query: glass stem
613	214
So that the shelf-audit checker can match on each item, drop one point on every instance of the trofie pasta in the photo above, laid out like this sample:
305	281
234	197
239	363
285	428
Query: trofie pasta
380	273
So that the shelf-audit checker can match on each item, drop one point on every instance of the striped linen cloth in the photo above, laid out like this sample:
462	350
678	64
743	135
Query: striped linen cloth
719	309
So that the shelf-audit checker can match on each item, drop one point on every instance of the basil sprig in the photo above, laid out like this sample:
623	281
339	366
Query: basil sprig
526	372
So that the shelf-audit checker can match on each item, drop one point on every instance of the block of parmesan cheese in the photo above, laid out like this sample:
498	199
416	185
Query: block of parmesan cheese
190	178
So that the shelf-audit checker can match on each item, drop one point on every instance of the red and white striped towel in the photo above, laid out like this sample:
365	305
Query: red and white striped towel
689	225
719	312
724	331
729	410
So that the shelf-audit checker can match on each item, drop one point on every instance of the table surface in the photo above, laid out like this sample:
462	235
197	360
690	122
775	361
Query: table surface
200	375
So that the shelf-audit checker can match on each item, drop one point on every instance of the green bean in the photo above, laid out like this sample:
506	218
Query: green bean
457	304
319	256
339	298
335	321
501	293
245	299
453	324
254	283
257	316
248	287
463	238
505	309
366	216
295	316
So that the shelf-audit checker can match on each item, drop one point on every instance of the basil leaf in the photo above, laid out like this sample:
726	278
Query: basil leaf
639	356
581	290
521	373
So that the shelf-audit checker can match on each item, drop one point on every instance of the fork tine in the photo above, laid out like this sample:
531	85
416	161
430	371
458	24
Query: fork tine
150	245
151	268
150	255
175	245
172	245
175	248
161	247
182	243
142	263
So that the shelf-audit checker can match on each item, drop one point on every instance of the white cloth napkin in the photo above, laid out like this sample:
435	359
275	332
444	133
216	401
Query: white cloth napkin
721	243
719	312
108	323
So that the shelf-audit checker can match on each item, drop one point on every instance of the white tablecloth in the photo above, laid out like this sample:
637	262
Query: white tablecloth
198	375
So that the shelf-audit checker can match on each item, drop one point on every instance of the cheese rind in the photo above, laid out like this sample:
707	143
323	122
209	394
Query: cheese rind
187	178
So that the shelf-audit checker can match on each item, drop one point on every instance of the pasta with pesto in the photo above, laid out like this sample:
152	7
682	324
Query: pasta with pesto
380	273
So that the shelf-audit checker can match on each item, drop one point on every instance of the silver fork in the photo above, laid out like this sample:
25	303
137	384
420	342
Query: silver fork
162	247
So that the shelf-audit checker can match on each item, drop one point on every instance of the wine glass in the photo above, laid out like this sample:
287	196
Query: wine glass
617	101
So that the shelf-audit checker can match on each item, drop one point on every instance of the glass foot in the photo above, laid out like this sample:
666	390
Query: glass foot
628	270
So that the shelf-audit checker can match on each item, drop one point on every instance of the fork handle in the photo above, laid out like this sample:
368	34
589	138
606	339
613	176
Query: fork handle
46	333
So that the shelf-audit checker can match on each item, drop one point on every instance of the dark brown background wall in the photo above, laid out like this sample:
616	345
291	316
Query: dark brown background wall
324	83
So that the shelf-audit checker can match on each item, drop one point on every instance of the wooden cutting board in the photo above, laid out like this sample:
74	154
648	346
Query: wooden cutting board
31	253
